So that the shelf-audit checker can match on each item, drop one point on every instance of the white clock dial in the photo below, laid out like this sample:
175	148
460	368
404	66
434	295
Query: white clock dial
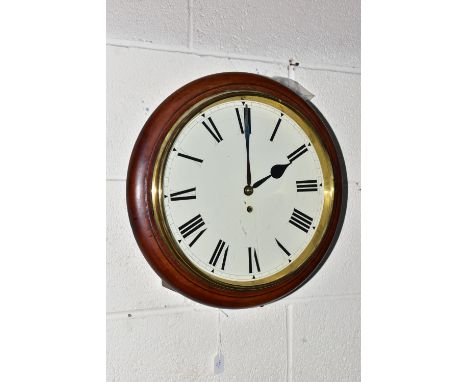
221	226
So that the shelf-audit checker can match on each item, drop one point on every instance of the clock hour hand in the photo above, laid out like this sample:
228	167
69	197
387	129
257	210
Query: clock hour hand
261	181
247	132
276	172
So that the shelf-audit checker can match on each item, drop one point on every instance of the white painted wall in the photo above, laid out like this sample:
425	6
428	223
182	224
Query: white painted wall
154	334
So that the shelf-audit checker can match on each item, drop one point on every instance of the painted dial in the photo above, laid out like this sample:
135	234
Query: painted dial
243	190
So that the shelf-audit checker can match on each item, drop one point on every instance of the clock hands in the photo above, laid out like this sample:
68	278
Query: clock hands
276	172
248	190
247	132
261	181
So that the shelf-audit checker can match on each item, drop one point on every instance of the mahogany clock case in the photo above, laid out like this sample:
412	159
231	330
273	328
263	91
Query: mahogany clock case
150	239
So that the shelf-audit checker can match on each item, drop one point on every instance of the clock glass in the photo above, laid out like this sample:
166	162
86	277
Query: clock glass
243	190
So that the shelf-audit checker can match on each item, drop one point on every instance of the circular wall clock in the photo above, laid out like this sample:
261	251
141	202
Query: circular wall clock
236	190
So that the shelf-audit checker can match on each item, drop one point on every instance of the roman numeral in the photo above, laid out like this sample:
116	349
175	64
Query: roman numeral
197	237
306	185
184	195
275	130
217	252
239	119
253	257
190	157
213	130
297	153
301	220
192	226
282	247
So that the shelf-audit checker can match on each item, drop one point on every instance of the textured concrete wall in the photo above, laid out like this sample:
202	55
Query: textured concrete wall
155	334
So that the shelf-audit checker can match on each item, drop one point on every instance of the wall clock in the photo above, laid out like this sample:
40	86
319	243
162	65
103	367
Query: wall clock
236	190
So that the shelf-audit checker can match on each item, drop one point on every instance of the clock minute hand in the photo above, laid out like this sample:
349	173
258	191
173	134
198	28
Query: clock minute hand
276	172
247	142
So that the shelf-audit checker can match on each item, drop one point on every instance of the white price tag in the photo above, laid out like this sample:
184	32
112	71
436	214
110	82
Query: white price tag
219	363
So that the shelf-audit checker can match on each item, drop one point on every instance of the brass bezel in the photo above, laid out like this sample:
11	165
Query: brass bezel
157	196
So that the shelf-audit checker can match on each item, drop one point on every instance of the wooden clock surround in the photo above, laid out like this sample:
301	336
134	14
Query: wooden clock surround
139	199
